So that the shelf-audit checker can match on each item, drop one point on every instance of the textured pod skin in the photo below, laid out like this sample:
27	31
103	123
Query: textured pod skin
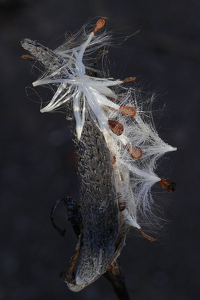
94	104
46	56
99	206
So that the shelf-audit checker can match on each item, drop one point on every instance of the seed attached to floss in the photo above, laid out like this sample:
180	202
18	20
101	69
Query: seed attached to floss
169	186
129	79
148	237
135	152
112	99
116	127
128	111
113	159
29	57
99	24
121	203
109	268
79	88
122	206
70	40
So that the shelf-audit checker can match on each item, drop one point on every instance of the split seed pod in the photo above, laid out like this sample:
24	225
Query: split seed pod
117	144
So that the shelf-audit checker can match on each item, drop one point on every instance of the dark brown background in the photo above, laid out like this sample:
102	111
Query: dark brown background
38	165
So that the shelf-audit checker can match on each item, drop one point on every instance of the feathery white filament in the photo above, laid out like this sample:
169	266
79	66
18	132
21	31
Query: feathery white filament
130	220
101	98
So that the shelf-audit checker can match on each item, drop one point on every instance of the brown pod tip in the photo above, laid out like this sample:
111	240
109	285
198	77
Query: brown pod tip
129	79
135	152
169	186
116	127
128	111
29	57
148	237
99	24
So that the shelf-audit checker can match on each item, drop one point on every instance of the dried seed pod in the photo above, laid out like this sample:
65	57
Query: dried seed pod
105	167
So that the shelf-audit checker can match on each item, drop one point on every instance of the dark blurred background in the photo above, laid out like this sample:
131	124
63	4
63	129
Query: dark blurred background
38	165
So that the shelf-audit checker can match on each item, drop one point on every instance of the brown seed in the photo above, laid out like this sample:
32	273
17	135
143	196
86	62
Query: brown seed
113	159
29	57
70	40
169	186
109	268
122	206
148	237
121	203
116	127
112	99
129	79
135	152
128	111
99	24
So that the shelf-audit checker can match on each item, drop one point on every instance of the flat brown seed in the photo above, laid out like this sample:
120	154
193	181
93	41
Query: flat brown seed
112	99
121	203
70	40
148	237
169	186
113	159
122	206
135	152
116	127
128	111
29	57
109	268
99	24
129	79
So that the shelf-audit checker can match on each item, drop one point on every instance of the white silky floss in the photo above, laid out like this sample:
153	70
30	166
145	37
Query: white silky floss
117	111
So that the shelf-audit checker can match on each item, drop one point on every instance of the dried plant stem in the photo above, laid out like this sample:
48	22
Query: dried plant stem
116	278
